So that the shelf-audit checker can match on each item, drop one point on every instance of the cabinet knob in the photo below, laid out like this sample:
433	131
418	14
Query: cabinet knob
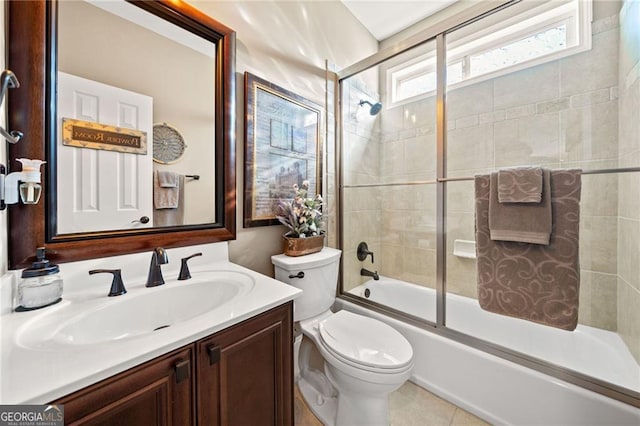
182	369
214	354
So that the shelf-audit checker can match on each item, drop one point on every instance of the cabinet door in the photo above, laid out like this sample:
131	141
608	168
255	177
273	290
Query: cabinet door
245	373
157	393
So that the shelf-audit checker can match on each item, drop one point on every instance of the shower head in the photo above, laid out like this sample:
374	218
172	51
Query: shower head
375	108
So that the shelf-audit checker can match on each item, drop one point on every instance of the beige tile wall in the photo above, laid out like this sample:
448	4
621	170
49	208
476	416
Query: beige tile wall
362	206
408	153
628	241
543	115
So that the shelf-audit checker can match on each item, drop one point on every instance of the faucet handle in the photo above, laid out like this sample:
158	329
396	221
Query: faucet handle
117	286
184	268
363	251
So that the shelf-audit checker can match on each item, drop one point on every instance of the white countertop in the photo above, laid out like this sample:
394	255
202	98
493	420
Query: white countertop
37	376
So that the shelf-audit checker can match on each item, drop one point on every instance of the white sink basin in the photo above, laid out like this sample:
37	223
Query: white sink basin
137	313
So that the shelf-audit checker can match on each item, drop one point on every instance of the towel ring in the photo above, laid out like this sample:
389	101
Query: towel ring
168	144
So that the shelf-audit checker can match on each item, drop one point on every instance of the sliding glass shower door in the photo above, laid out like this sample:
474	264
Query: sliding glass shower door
388	187
544	87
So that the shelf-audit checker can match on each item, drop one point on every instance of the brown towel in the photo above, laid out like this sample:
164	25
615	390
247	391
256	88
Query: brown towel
520	222
520	185
165	197
530	281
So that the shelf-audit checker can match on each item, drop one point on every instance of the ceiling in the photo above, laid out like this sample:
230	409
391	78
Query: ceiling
384	18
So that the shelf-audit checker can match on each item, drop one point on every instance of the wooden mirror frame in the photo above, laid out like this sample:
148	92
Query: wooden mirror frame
32	51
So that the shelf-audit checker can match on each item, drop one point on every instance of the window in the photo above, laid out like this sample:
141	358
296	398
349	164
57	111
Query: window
534	46
528	38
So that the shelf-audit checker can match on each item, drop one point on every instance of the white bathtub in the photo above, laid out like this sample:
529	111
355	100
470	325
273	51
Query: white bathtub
498	390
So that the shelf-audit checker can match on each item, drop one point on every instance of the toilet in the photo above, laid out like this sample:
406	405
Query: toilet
358	360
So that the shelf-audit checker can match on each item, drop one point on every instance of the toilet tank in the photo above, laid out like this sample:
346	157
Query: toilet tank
318	284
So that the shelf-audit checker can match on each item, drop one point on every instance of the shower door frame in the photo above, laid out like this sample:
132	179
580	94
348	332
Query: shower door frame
438	33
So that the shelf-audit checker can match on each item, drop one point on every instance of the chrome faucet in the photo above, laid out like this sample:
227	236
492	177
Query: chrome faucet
159	257
368	273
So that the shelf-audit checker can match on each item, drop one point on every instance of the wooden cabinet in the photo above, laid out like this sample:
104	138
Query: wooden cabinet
242	375
245	373
159	392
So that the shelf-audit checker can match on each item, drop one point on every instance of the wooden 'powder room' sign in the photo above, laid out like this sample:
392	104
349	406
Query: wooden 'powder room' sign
86	134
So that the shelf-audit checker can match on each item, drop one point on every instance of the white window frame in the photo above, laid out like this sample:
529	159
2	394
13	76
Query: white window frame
575	14
419	66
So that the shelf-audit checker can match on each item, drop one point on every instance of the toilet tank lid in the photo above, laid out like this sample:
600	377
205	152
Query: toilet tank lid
321	258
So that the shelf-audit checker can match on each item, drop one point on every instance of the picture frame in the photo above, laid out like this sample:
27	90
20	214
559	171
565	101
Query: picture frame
283	147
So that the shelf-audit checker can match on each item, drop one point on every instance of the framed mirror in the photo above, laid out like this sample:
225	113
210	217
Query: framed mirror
98	77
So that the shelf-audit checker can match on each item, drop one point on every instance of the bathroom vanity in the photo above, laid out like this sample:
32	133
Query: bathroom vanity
214	349
241	375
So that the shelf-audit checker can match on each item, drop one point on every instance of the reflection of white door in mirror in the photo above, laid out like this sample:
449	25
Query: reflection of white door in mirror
100	189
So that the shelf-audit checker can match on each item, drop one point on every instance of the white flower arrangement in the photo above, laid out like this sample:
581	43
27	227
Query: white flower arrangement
303	215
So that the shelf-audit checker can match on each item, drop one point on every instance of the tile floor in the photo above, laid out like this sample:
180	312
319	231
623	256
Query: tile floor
410	406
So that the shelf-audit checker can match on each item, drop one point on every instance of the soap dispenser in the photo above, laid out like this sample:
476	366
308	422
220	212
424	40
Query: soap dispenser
40	286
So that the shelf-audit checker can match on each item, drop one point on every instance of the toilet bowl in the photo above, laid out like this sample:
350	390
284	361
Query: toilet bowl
362	360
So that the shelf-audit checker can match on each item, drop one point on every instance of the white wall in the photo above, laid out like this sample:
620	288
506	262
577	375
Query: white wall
284	42
468	8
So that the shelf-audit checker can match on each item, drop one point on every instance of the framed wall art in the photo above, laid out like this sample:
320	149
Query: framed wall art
282	148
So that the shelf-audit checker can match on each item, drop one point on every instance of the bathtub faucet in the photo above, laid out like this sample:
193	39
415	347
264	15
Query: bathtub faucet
368	273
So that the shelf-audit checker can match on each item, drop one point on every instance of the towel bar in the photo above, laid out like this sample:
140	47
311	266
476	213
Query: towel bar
466	178
584	172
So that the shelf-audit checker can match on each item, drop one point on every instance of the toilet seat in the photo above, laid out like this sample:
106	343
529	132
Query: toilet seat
365	343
